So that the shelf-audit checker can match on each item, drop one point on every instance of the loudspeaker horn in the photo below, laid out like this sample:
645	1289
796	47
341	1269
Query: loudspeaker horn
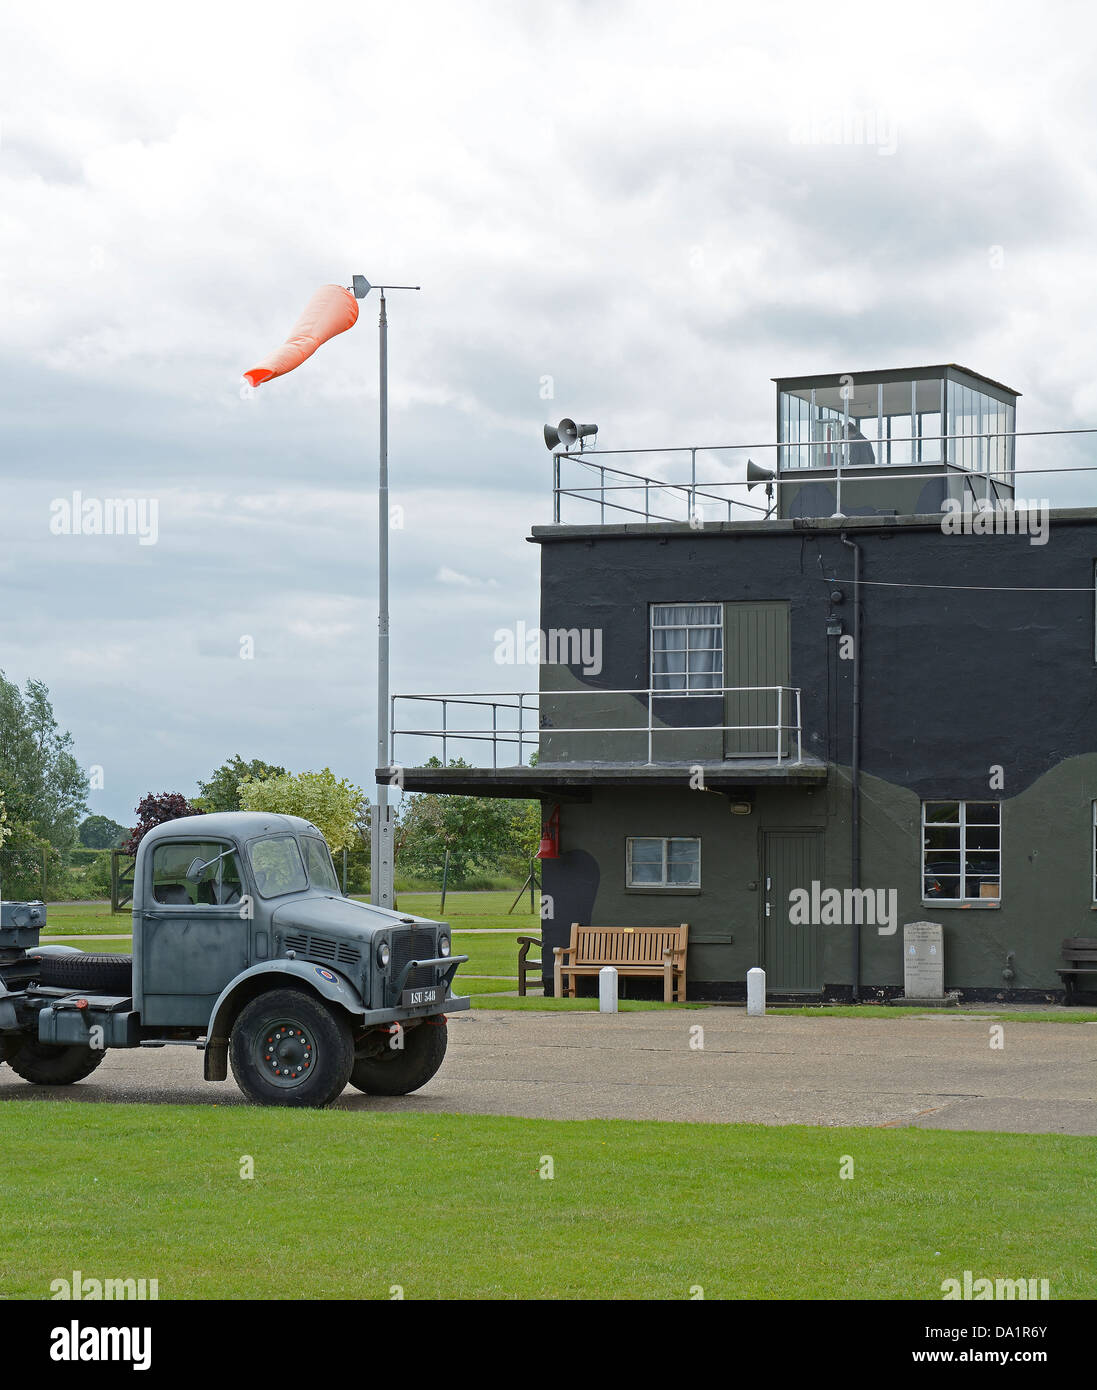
757	475
571	433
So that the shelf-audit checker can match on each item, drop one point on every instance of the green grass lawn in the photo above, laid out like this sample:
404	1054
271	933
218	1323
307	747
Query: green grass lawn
348	1204
462	909
67	919
474	910
96	944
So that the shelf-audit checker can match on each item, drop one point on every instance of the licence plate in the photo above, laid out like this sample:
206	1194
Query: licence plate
429	994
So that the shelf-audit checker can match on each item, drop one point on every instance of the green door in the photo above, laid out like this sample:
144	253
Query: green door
792	958
756	653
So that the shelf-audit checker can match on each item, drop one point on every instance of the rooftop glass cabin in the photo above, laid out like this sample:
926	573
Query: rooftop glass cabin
894	443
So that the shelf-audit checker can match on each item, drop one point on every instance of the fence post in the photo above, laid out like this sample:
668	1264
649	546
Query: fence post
43	874
780	731
532	868
445	876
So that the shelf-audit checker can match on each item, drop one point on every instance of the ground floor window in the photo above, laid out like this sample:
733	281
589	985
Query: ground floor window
662	863
962	851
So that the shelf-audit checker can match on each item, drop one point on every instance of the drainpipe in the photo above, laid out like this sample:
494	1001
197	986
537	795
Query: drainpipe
855	760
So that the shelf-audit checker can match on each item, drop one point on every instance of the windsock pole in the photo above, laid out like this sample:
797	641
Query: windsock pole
383	870
382	855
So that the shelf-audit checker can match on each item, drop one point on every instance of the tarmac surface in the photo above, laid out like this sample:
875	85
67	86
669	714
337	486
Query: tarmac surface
933	1072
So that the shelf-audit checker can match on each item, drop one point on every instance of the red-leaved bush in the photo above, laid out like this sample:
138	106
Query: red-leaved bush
155	810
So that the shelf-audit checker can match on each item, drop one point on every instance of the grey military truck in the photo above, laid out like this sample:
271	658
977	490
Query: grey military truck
245	949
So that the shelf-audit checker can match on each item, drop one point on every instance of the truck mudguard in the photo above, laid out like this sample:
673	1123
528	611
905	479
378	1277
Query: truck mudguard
318	978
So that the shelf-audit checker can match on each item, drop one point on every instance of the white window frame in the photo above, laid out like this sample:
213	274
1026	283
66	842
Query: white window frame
653	626
963	848
665	841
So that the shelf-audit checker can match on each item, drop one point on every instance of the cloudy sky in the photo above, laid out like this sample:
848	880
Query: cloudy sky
646	210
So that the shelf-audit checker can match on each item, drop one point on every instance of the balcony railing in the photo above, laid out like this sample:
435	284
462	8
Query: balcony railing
697	485
518	721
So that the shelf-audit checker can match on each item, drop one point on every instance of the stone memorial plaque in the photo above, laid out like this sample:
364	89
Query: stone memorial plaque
923	960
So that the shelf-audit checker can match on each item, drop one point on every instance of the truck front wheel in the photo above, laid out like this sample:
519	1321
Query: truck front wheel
49	1064
289	1048
398	1070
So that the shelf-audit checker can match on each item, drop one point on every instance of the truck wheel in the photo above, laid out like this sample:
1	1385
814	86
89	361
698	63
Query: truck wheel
87	970
289	1048
400	1070
49	1064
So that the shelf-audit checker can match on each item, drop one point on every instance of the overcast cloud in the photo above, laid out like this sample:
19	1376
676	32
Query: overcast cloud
639	201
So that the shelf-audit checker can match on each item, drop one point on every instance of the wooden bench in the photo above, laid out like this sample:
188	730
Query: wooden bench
1080	954
528	968
647	952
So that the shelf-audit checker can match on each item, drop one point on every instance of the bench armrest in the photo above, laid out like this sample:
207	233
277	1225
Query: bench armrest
529	940
561	951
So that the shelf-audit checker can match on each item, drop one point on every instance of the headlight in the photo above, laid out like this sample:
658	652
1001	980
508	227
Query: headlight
443	945
383	954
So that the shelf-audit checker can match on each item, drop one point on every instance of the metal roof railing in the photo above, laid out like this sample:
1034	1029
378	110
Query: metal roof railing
637	495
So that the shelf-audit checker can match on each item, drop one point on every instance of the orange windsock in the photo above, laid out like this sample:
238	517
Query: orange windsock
331	310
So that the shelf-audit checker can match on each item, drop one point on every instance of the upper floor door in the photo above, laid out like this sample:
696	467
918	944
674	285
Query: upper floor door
756	654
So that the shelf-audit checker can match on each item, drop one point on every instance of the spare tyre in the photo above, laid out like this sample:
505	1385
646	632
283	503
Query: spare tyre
87	970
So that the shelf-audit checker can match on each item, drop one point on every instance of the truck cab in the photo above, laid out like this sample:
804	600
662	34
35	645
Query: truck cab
244	946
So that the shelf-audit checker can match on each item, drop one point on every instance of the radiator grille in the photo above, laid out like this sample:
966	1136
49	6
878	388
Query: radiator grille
322	948
413	943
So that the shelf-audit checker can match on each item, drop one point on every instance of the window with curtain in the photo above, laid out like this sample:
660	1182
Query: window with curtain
687	647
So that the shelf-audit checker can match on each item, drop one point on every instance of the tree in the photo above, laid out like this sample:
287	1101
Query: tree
334	806
479	832
100	832
222	791
42	783
154	810
5	828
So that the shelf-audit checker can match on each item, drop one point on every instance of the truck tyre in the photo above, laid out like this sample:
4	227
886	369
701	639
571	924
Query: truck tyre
400	1070
49	1064
289	1048
85	970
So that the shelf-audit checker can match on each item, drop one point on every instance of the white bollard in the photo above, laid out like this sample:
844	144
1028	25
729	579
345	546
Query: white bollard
756	992
607	990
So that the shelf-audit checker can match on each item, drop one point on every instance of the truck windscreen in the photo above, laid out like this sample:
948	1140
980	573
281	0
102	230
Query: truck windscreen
318	862
276	864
